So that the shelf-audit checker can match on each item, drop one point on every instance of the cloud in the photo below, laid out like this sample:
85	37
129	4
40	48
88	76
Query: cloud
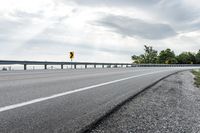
116	2
7	26
132	27
44	43
176	11
179	13
48	29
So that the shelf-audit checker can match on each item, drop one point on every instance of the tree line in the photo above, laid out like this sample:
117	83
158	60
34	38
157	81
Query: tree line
167	56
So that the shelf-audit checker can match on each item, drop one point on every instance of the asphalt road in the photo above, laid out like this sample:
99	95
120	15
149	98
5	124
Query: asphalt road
46	101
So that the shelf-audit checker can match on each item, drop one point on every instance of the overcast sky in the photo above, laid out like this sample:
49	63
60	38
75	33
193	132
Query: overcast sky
96	30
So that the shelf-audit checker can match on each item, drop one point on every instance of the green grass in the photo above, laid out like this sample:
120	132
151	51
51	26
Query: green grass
197	77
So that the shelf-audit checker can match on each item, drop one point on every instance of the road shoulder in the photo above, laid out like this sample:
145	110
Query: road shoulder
172	105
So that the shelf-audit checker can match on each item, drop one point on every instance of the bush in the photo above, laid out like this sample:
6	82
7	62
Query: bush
4	69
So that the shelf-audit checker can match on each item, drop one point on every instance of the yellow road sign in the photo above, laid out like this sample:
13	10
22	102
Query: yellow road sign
71	55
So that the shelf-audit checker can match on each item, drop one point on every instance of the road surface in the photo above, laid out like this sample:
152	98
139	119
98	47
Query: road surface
46	101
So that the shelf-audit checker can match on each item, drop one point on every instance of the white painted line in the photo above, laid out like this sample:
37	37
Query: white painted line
14	106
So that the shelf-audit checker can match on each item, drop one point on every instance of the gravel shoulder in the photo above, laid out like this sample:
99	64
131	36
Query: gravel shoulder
171	106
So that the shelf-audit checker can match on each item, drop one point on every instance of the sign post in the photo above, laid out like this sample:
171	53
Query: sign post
71	56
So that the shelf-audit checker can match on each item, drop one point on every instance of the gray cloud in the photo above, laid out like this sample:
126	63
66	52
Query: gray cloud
47	45
134	27
22	20
22	14
9	28
175	12
116	2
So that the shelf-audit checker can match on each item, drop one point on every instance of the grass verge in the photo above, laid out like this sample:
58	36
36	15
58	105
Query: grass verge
197	77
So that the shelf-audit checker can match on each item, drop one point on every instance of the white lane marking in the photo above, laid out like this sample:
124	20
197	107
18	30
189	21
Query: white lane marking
14	106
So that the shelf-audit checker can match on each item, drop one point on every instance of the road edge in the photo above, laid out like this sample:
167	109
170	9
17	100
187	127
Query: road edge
96	122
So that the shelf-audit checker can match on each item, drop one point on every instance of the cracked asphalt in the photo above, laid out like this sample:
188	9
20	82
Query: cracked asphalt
171	106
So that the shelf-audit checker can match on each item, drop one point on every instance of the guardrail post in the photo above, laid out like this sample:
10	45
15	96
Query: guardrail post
121	65
45	66
61	66
102	66
85	66
25	66
95	66
74	66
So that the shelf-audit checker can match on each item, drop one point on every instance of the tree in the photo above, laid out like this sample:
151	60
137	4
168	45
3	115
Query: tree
150	56
186	58
167	57
137	59
197	57
4	69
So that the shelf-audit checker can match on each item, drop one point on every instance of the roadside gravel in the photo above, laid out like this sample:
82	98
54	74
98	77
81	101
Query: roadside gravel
171	106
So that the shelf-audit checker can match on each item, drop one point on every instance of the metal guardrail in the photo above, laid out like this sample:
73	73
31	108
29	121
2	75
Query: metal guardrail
46	63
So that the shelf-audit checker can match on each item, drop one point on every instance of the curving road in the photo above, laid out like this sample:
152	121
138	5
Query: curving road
46	101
